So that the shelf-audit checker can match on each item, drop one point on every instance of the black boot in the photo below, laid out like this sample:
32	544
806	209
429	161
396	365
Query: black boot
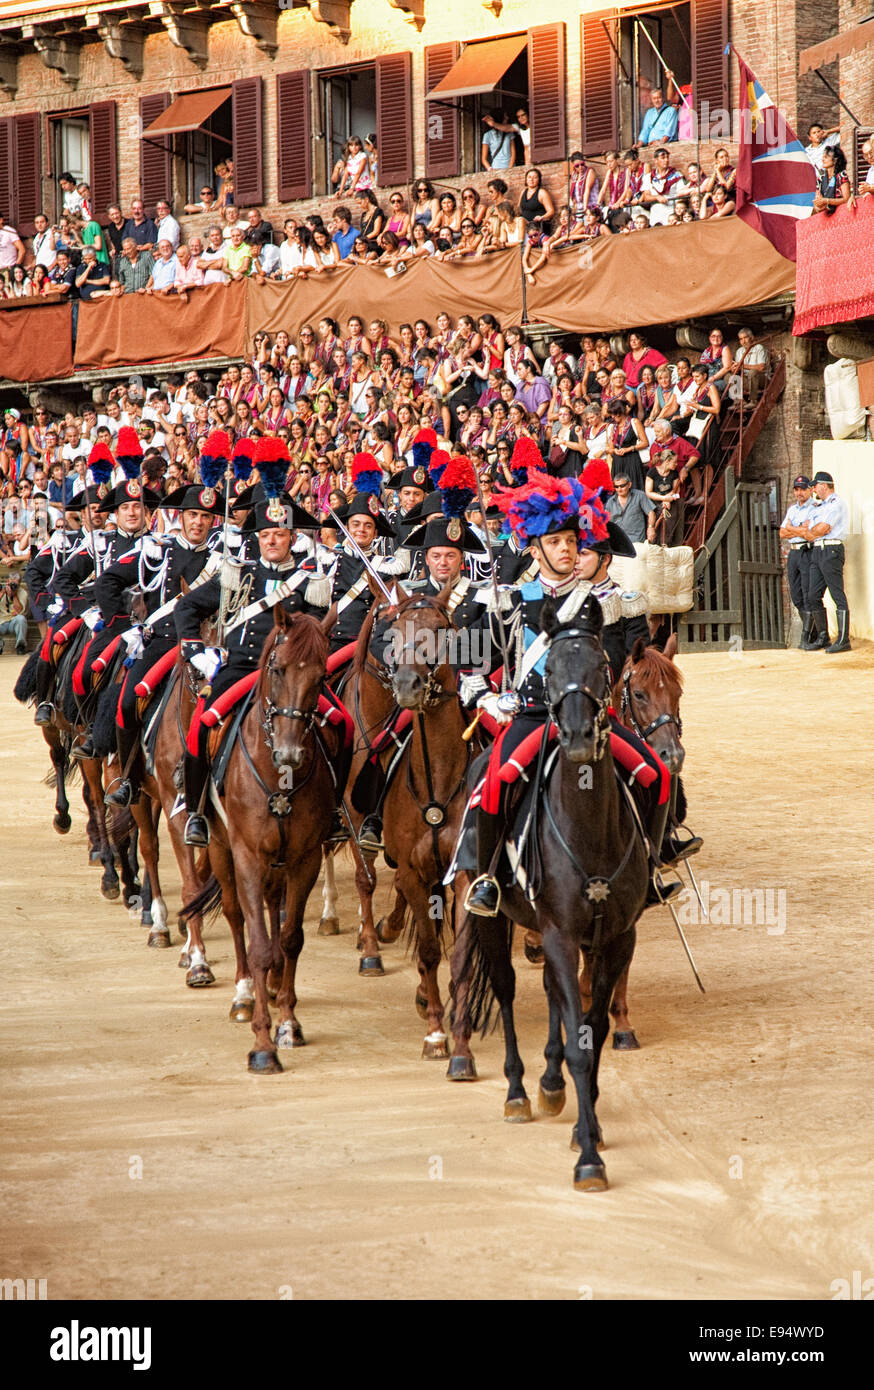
806	630
661	890
84	749
195	773
45	713
820	620
842	641
484	894
126	791
370	834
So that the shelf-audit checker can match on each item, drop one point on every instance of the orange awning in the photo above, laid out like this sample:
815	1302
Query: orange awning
480	68
188	112
850	41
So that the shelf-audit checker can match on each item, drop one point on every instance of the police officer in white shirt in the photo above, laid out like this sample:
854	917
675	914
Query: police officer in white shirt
826	530
799	515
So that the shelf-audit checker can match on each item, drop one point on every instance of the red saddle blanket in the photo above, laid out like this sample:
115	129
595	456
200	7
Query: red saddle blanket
155	674
331	710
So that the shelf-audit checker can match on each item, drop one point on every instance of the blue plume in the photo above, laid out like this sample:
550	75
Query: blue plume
273	474
211	470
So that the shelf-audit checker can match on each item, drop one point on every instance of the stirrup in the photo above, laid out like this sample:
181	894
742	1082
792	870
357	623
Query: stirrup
677	847
662	890
483	881
122	796
45	713
370	837
83	750
196	831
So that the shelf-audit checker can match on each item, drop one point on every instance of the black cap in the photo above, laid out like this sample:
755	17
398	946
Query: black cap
821	477
131	490
367	504
193	497
445	530
280	512
617	543
802	481
416	476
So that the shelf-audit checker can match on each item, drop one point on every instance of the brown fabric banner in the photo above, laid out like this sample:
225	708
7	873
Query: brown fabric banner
138	328
36	341
696	270
491	285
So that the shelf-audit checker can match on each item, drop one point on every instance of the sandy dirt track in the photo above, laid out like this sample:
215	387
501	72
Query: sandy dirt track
738	1138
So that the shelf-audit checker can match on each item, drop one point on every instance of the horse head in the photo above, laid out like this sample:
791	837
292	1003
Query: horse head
417	651
292	670
577	681
647	697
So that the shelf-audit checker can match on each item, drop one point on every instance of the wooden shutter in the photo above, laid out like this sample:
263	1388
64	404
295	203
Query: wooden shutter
294	136
7	178
27	171
546	92
442	145
394	117
248	170
104	163
709	63
598	66
154	153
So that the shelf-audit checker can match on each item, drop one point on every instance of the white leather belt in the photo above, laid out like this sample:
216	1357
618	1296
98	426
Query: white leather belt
819	544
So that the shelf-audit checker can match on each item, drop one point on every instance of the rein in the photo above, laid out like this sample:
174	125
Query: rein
601	702
626	712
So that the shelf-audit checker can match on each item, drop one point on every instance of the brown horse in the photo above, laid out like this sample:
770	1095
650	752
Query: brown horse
274	814
425	801
646	698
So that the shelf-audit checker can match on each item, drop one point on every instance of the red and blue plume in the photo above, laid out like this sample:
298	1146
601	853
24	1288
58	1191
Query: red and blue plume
438	461
457	486
101	463
272	462
596	475
543	504
424	445
214	459
366	474
244	459
526	457
129	451
593	516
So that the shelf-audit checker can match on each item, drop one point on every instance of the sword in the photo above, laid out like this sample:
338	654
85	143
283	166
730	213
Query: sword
371	570
225	586
505	650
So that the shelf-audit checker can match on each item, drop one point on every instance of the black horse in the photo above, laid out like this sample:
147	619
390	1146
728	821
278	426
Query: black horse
592	878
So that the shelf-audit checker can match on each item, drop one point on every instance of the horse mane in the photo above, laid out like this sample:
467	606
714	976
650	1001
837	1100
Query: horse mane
654	668
304	640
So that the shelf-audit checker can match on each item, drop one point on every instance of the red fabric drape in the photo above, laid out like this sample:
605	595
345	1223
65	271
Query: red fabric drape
835	269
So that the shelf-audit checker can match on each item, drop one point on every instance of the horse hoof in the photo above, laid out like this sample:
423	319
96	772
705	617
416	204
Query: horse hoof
436	1048
62	824
243	1011
110	891
461	1069
625	1042
534	954
518	1111
289	1035
199	976
264	1062
590	1177
159	940
384	934
184	961
94	858
370	965
421	1005
328	926
550	1102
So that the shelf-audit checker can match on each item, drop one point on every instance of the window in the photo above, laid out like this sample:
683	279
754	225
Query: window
488	78
348	103
371	101
203	149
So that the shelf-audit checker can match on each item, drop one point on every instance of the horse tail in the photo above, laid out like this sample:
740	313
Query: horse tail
206	904
476	964
25	686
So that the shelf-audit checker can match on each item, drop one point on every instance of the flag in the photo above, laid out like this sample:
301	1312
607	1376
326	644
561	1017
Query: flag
776	180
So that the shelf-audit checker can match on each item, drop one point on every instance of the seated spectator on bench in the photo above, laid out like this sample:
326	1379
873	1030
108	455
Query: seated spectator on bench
716	204
724	174
640	355
686	454
717	359
659	187
751	361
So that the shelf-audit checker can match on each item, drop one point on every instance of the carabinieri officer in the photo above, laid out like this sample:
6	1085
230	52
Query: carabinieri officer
793	530
827	530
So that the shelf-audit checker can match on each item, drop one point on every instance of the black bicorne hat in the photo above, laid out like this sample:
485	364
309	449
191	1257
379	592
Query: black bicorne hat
194	497
367	504
131	490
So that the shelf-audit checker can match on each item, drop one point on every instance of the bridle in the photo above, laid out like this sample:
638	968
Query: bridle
626	712
270	711
434	693
601	702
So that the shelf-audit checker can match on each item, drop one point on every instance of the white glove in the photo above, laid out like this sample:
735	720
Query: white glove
56	607
209	662
489	703
471	687
91	618
133	640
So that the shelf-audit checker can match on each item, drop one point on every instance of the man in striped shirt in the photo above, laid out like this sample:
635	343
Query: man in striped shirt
134	268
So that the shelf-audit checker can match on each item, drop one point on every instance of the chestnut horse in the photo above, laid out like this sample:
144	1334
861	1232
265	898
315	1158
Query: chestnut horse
273	816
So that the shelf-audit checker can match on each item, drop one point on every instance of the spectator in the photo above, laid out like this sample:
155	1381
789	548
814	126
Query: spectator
717	359
626	441
345	233
115	233
661	122
664	490
535	204
866	187
820	140
268	260
632	188
19	285
188	273
206	204
751	360
224	172
91	234
231	219
135	266
73	204
640	355
658	192
371	216
296	255
723	176
609	199
686	454
61	484
835	188
421	244
12	251
716	204
533	391
45	241
260	232
498	149
212	262
84	190
425	206
691	180
632	509
163	277
356	174
92	277
139	228
508	229
583	189
167	226
62	276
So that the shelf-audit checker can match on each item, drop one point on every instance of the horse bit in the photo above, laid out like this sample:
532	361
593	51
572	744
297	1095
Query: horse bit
626	710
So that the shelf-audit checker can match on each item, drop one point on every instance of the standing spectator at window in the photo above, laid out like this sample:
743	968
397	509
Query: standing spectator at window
163	277
498	149
370	149
12	250
72	196
661	122
356	174
520	127
345	234
135	267
92	235
212	262
84	190
140	227
45	241
92	277
835	188
206	204
167	227
820	140
114	232
640	355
